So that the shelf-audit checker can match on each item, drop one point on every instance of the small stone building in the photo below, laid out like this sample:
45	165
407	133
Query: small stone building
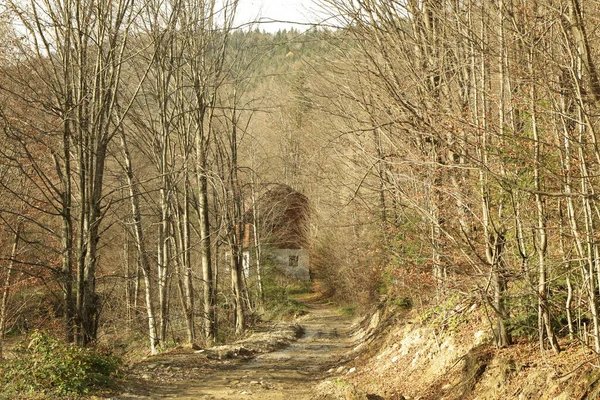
294	263
282	220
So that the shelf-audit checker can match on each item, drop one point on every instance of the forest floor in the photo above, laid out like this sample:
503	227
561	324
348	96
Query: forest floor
282	361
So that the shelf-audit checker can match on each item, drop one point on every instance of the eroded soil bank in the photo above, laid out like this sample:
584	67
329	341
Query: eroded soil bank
251	369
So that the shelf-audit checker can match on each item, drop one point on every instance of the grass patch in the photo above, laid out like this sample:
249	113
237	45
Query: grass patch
348	311
299	287
341	383
286	308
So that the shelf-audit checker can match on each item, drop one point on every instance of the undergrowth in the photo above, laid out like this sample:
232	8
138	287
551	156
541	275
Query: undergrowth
279	297
447	316
286	308
46	367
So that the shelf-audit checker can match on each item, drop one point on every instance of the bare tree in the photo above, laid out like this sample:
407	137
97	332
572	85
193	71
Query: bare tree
76	50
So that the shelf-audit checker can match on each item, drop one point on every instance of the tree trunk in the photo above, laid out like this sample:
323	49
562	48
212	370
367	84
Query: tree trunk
205	253
7	287
544	323
237	286
140	244
185	273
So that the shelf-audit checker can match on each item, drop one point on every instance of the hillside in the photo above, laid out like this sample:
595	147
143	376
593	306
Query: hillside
402	354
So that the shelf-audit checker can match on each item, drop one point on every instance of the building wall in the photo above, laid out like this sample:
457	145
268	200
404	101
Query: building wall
292	262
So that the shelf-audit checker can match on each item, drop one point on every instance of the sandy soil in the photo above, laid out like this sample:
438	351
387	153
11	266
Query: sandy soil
289	373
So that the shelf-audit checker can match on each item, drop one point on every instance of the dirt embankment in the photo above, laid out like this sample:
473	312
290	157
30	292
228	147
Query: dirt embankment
448	355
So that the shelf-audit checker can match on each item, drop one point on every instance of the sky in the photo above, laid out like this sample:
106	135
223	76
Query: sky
280	10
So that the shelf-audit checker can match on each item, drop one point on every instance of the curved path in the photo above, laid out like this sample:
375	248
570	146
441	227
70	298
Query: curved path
290	373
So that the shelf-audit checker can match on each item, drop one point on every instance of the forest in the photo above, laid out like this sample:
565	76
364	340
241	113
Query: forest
431	150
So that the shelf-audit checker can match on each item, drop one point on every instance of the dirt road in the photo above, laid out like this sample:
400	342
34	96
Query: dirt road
290	373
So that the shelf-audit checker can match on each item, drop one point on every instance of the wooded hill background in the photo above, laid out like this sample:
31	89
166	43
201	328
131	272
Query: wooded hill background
445	148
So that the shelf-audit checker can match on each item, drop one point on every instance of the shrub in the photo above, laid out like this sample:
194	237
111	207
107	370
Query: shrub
47	367
404	303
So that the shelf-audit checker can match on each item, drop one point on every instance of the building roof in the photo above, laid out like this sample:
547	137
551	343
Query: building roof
283	217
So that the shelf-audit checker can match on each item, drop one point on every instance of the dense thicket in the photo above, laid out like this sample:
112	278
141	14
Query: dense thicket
475	128
131	167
